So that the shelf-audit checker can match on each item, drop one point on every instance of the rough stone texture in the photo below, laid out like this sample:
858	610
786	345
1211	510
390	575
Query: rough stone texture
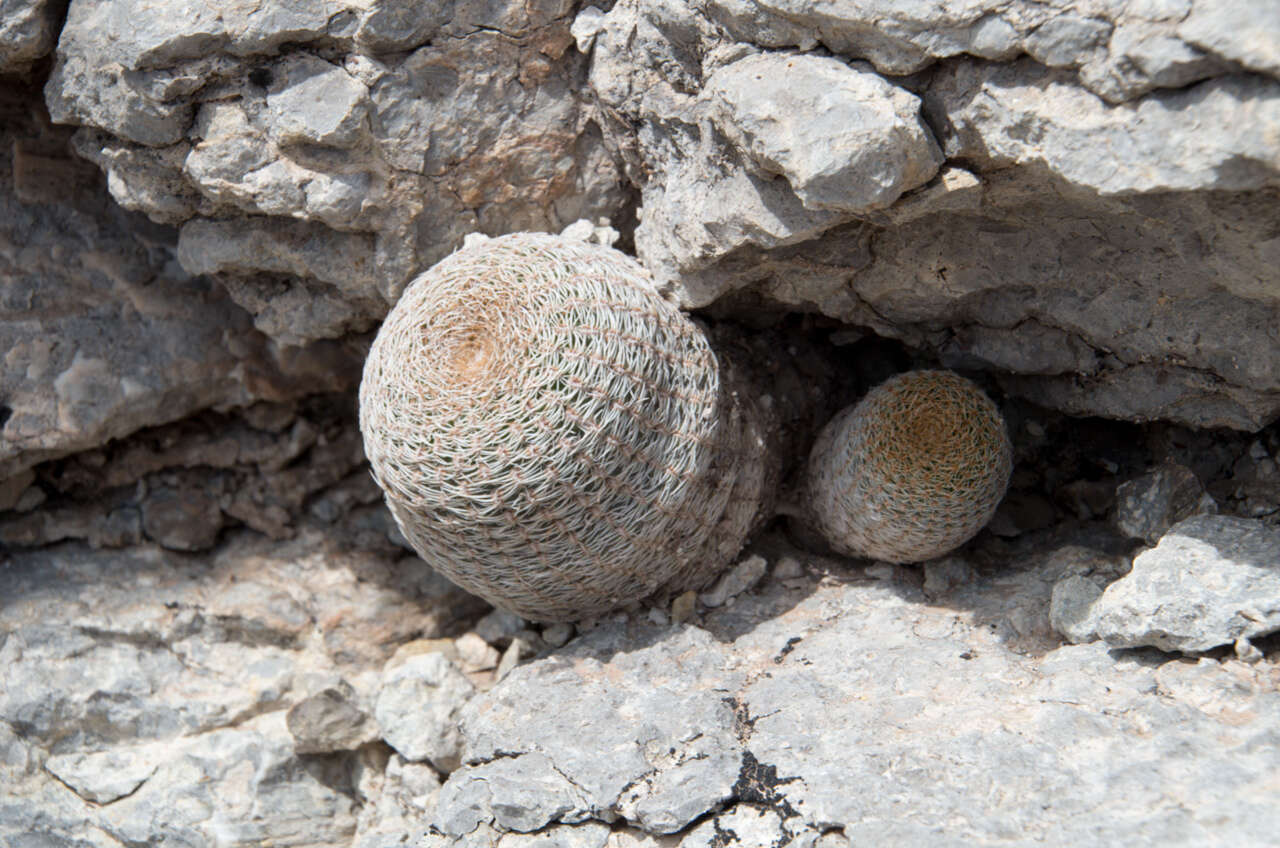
417	708
27	33
373	144
1075	243
735	581
1121	50
1147	507
679	761
1071	608
397	796
158	687
1242	33
982	229
179	485
103	333
328	721
1076	196
1252	488
937	708
1213	579
1024	115
142	685
732	146
845	140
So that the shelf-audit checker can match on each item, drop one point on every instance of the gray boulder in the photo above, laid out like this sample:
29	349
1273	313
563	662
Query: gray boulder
104	333
417	708
378	127
1019	114
1148	506
27	33
868	685
846	140
1212	580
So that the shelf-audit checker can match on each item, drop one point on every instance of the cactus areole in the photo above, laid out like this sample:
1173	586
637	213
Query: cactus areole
912	471
551	434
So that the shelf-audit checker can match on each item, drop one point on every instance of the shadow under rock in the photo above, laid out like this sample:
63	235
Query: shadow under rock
997	585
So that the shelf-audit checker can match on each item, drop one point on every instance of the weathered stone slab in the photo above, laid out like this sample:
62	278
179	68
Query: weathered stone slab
1212	580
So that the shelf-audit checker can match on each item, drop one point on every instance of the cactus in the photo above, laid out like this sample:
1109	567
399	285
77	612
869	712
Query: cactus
552	435
912	471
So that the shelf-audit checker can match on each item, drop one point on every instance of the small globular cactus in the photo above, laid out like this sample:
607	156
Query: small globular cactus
554	436
912	471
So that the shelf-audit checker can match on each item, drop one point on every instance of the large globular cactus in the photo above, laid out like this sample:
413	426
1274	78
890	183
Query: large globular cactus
554	436
912	471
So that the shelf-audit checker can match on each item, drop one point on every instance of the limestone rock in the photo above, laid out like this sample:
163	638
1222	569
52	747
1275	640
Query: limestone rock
1213	579
1071	608
1122	50
396	799
311	101
679	760
755	149
521	793
1147	507
1018	114
1009	260
182	520
104	334
742	823
378	127
157	687
874	670
1101	239
417	708
846	140
328	721
735	581
498	627
103	777
1244	33
26	32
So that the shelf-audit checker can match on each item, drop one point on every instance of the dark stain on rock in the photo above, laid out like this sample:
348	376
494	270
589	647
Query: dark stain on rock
787	648
758	784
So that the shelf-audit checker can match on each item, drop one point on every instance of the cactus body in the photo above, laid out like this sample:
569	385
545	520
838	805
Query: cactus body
552	435
912	471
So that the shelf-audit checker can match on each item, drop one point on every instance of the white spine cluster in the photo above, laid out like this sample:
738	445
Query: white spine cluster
912	471
552	435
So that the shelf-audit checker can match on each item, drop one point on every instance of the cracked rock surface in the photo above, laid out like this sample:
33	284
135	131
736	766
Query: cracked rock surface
227	700
213	636
317	155
857	705
1212	580
147	693
1073	234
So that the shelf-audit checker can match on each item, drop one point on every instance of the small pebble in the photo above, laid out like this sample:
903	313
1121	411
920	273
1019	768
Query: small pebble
787	568
474	653
511	658
683	607
737	580
532	640
1246	651
557	635
499	626
425	646
657	616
